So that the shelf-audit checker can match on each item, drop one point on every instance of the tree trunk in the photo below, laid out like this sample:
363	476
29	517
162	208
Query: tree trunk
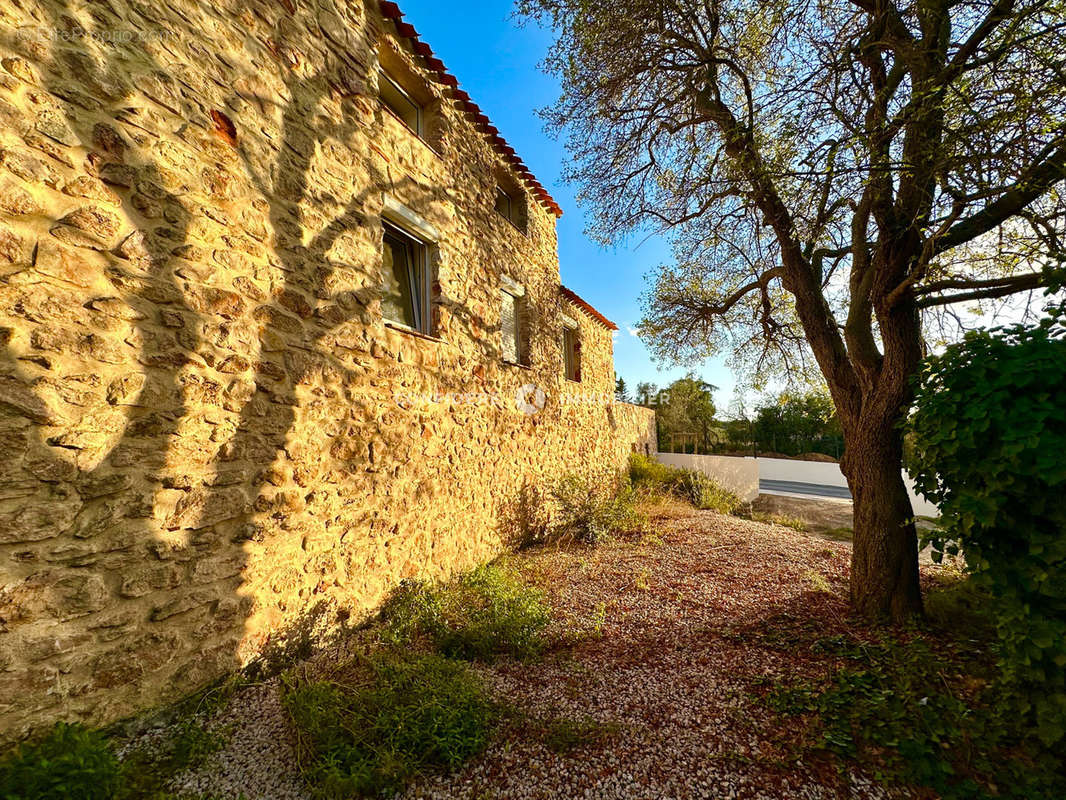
884	560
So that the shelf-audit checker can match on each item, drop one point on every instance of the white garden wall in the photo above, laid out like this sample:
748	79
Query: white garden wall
742	475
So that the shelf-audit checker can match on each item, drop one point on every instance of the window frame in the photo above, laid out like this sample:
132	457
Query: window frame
517	293
504	194
419	127
417	246
571	350
516	211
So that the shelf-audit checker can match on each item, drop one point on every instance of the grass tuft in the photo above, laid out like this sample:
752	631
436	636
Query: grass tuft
484	614
563	736
407	714
785	520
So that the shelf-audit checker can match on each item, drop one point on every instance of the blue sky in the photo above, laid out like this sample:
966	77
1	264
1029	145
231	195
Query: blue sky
496	60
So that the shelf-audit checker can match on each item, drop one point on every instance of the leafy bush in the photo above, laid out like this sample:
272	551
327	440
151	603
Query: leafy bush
80	763
485	613
704	493
690	485
70	762
407	714
646	471
891	705
589	514
989	434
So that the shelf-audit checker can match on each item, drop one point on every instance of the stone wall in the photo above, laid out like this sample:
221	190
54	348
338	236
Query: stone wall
209	435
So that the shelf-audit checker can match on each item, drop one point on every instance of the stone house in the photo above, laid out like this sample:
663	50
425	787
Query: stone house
281	325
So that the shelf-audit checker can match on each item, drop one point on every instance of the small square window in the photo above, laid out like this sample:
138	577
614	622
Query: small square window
571	354
405	280
400	102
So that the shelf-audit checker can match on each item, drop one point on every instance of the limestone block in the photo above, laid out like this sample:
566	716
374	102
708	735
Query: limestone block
89	226
16	200
200	508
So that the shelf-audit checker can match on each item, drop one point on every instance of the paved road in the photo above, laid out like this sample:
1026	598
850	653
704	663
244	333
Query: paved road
803	489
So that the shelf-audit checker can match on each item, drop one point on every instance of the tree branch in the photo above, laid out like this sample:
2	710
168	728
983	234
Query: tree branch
1034	182
983	289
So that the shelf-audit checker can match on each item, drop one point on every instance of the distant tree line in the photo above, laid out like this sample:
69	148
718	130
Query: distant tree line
791	423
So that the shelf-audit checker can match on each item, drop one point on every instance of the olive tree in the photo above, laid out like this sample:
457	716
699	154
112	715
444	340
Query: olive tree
833	176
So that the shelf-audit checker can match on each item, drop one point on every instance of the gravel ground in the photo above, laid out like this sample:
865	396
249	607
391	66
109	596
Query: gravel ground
259	760
662	660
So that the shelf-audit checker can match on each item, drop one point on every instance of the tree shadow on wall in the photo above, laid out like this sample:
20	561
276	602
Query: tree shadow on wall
126	582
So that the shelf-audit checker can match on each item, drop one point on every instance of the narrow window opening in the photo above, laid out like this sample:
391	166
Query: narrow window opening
510	202
514	347
571	354
400	102
405	290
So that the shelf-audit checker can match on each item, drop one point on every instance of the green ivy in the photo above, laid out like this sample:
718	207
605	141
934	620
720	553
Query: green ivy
989	436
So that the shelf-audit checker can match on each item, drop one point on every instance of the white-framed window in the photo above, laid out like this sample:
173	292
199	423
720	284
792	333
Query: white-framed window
513	345
571	345
400	102
405	274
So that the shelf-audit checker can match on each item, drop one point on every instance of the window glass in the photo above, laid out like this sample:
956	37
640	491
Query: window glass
403	276
571	354
509	326
503	204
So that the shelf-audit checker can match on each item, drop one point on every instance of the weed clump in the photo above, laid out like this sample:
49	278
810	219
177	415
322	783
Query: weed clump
486	613
406	714
73	762
898	706
563	736
650	476
589	514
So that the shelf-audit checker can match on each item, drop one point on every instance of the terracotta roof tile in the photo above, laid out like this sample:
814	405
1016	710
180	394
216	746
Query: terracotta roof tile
587	308
392	11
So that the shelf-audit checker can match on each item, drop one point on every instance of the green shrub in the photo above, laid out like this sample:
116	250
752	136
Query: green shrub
958	606
483	614
890	705
590	514
989	434
690	485
70	762
409	714
646	471
704	493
